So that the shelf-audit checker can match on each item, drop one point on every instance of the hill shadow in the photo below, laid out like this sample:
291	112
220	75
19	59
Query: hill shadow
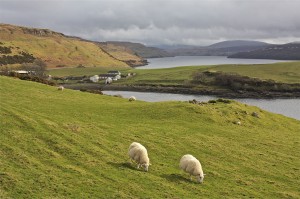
124	165
177	178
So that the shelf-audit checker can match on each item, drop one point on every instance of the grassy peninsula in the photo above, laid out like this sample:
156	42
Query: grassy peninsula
250	81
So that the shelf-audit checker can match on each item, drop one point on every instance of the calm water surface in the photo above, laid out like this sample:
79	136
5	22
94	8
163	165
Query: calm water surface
169	62
287	107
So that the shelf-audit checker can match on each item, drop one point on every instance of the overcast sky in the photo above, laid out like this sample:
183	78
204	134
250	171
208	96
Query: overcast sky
193	22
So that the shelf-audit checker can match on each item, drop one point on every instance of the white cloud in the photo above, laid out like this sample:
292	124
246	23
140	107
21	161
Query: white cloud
197	22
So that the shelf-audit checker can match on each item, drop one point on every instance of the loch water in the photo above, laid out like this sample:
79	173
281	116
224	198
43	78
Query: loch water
170	62
287	107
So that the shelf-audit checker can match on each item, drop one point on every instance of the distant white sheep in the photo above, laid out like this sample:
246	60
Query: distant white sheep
191	165
138	153
132	98
60	88
237	122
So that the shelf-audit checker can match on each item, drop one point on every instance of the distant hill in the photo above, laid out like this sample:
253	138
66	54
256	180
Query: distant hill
237	43
224	48
171	47
22	45
141	50
290	51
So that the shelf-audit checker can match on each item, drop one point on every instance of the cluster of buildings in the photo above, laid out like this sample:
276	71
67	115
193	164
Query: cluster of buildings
110	76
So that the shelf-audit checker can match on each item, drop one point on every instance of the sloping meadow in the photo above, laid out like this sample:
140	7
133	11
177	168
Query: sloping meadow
70	144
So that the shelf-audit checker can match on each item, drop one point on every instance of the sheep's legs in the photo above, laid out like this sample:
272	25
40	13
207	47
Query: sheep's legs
131	161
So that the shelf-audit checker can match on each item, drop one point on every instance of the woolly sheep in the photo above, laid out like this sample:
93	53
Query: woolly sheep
60	88
138	154
237	122
191	165
132	98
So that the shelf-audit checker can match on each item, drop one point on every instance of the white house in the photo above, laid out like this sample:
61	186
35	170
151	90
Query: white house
117	77
94	78
23	72
108	80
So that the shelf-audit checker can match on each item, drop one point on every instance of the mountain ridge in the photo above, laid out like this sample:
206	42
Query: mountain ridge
224	48
289	51
236	43
54	48
141	49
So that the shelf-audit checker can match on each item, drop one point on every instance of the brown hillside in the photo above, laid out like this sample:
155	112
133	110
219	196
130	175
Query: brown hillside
54	48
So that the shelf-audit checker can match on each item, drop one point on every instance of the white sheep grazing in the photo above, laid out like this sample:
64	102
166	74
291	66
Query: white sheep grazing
132	98
138	153
60	88
191	165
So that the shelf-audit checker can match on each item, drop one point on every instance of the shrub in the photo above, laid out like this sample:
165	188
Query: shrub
5	50
91	91
60	66
212	101
80	66
227	101
32	78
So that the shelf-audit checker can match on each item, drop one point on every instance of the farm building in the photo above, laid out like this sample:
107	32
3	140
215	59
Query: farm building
114	72
94	78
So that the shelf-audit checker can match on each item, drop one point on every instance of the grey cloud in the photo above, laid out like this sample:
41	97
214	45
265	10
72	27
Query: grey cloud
197	22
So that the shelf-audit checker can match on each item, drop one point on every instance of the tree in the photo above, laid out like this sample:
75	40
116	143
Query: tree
38	67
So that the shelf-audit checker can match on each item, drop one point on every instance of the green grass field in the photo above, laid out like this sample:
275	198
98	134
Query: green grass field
70	144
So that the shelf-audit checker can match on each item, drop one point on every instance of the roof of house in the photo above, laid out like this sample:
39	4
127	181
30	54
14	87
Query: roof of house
107	75
113	71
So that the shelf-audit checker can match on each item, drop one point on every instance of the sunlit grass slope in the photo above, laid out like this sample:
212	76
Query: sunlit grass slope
55	48
72	144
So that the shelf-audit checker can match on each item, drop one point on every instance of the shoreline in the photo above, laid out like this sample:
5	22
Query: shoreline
188	91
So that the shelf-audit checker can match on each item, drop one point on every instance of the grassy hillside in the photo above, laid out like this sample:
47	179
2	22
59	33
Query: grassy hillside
122	53
55	49
140	49
71	144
